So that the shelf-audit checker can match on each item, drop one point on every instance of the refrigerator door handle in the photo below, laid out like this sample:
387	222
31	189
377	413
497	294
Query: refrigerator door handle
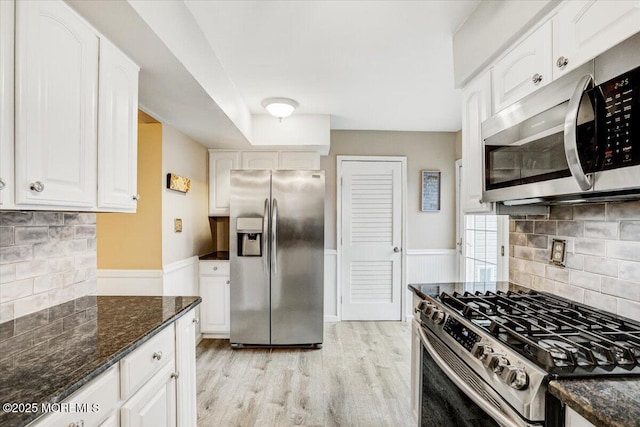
265	233
274	237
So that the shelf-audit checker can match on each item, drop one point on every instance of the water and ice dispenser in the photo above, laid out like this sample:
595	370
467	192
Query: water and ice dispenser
250	235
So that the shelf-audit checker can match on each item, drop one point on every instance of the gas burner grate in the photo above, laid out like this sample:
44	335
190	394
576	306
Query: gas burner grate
557	334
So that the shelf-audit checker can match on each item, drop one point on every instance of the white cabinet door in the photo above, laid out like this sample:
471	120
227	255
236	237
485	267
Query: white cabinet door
155	404
260	160
186	367
6	103
584	29
476	107
117	130
299	160
220	165
214	310
56	95
523	70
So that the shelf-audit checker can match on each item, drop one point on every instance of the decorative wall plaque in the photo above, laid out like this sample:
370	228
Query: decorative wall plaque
178	183
430	191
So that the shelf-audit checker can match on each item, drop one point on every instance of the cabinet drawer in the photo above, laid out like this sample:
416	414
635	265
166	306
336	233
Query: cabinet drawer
139	366
214	268
101	392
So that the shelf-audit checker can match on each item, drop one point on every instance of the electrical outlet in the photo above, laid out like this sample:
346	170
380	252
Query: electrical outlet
177	225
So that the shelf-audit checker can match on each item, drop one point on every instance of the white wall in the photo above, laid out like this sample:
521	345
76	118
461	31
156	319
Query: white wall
185	157
492	27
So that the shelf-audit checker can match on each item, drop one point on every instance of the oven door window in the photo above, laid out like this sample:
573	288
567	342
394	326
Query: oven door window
443	404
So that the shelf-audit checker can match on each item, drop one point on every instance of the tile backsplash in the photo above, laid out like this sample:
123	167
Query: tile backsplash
46	258
603	254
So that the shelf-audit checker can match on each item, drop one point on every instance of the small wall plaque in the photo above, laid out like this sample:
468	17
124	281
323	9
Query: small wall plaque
558	252
430	201
178	183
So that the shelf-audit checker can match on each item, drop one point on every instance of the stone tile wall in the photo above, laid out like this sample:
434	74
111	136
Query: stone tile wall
46	258
603	254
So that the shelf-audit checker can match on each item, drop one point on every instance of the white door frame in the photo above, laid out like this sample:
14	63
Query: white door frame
403	223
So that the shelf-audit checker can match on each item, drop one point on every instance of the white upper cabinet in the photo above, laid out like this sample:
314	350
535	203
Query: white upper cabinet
299	160
117	130
56	95
220	165
260	160
476	107
6	103
524	69
584	29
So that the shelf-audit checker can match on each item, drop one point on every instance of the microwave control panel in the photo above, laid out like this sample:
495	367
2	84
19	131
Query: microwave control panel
619	131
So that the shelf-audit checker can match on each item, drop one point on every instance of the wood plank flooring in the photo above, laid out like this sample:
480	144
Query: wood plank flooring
360	377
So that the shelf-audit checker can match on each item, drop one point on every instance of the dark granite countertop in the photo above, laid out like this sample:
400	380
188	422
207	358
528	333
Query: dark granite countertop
216	256
603	402
47	355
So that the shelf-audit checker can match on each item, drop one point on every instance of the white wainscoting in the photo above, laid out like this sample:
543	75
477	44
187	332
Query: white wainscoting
331	293
429	266
181	278
129	282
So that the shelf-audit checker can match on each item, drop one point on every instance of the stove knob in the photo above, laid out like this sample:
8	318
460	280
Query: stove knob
515	377
437	316
429	308
497	363
481	350
421	306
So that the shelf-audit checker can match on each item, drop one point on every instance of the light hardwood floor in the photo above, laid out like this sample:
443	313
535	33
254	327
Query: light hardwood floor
360	377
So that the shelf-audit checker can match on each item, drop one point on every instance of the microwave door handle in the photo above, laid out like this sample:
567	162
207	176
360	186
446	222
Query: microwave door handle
489	409
570	134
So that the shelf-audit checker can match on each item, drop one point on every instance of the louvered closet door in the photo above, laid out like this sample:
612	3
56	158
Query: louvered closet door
371	229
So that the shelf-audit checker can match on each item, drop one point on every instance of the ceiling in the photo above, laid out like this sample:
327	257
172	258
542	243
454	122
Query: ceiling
376	65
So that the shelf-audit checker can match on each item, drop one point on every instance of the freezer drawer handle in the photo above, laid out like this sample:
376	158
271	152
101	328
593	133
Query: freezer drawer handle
274	236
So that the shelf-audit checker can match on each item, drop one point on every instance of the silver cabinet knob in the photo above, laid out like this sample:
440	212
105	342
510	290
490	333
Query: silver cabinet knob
2	184
396	249
196	320
175	375
562	62
36	186
215	268
537	78
157	355
228	281
136	197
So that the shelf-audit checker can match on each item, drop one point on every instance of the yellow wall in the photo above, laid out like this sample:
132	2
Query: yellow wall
134	241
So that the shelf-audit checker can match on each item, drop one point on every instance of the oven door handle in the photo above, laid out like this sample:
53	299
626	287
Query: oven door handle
570	134
493	412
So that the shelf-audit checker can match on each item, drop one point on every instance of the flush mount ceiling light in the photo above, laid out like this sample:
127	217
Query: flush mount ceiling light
280	107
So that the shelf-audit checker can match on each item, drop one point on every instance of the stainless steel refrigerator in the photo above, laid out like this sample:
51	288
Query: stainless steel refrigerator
277	257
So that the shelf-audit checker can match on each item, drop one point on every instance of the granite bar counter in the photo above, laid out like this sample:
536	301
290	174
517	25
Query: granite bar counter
47	355
603	402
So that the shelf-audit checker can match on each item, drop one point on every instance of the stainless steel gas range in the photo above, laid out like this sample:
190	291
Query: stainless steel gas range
488	355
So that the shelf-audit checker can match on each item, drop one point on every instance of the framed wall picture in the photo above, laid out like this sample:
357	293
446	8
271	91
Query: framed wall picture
430	200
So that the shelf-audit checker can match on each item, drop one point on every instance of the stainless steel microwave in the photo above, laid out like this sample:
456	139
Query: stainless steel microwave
577	138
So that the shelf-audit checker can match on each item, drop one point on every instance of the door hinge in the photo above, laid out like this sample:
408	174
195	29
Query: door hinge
502	250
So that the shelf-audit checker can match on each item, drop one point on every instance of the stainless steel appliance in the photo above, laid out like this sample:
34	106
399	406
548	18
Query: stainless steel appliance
277	257
576	138
488	355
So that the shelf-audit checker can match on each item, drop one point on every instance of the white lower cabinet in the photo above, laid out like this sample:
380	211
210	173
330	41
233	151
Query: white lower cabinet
573	419
186	369
155	403
6	103
215	292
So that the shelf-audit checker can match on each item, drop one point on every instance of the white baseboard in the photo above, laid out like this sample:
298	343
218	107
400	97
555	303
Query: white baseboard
331	319
216	336
129	282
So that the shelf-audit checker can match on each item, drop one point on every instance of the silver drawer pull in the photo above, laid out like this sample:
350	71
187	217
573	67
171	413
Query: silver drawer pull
537	78
175	375
157	355
36	186
215	268
136	197
2	184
